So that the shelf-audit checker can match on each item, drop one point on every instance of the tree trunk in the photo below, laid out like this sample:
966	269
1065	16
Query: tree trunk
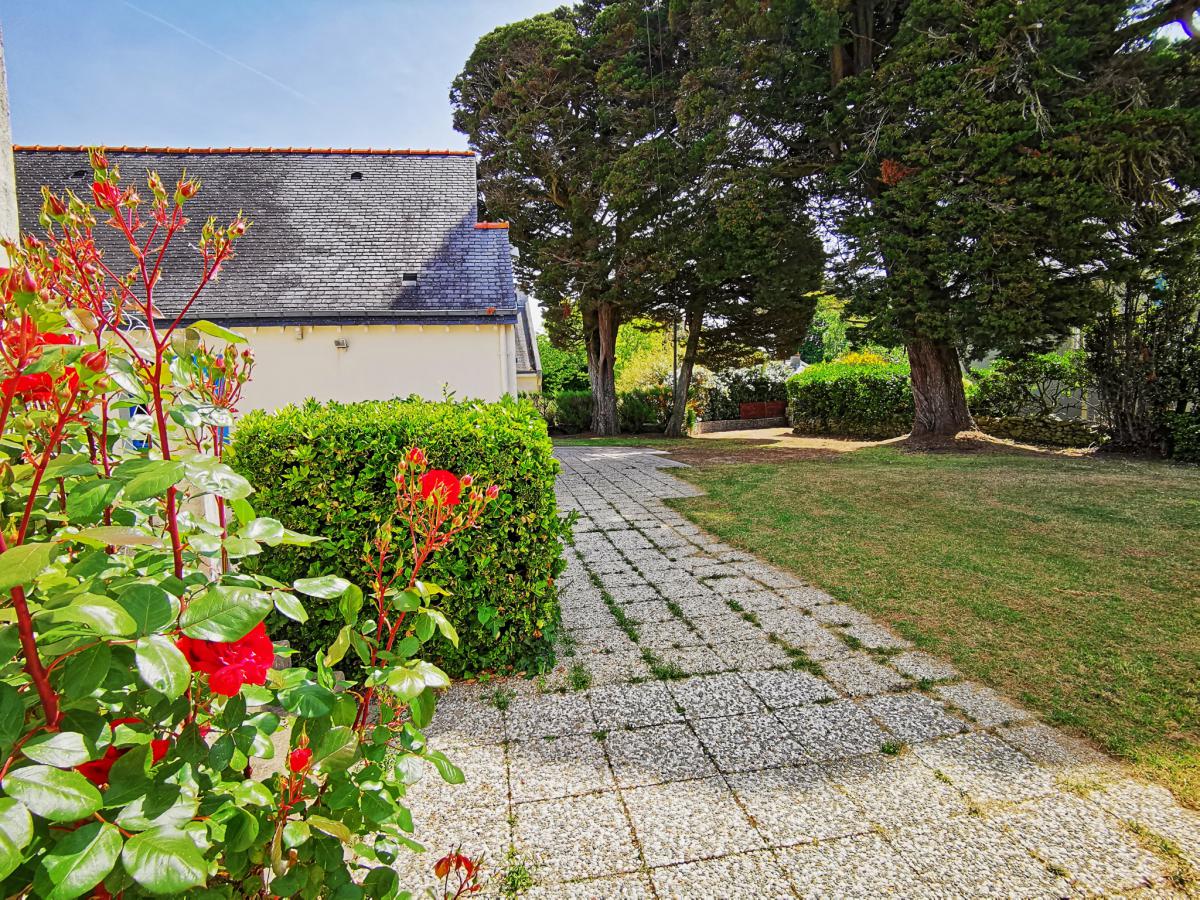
678	421
600	323
941	402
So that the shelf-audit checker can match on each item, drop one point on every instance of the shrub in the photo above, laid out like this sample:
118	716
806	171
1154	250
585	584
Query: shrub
729	389
644	409
1037	386
329	469
138	705
572	411
562	370
1184	441
864	400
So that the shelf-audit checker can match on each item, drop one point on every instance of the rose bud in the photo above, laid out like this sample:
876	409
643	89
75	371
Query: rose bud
299	759
468	480
29	281
97	360
492	492
416	456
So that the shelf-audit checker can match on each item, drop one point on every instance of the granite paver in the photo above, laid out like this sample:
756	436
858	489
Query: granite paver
710	759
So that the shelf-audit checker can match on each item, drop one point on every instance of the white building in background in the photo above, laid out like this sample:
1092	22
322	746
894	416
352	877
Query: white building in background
365	274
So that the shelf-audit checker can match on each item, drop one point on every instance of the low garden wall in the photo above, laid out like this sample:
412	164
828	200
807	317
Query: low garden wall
739	424
1042	430
327	469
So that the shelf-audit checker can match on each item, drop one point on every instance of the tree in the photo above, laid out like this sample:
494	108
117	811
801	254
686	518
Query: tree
968	170
983	208
729	252
532	102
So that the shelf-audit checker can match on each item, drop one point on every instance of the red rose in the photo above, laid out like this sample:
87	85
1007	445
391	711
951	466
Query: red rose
299	759
416	456
35	388
97	770
230	665
444	483
49	337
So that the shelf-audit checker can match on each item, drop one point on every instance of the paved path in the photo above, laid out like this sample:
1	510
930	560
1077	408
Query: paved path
744	735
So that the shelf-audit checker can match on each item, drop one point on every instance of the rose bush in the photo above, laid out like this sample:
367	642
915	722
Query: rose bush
138	703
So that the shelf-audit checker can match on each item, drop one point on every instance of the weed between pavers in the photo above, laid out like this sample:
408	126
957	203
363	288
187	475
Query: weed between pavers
893	748
626	624
579	677
663	671
517	875
1181	875
501	698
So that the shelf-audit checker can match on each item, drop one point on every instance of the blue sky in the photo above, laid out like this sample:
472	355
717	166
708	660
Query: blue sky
220	73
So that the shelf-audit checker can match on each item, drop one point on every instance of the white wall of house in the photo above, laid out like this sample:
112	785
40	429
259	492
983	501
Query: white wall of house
379	362
529	382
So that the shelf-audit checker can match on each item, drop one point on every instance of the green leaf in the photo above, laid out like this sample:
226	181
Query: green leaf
21	565
430	674
214	477
424	627
290	606
212	329
336	751
86	671
422	707
151	608
308	700
443	625
54	794
116	535
86	501
12	715
351	604
162	666
327	587
61	749
338	648
15	822
330	827
10	856
153	479
101	614
225	613
450	773
404	683
164	861
269	531
295	833
78	862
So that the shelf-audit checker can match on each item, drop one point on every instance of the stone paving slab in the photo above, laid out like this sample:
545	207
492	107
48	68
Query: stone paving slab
760	739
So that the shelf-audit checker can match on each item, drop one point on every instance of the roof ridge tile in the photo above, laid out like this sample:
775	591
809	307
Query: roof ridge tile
311	151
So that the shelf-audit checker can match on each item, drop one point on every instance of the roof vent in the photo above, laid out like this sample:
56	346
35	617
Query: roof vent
80	173
356	176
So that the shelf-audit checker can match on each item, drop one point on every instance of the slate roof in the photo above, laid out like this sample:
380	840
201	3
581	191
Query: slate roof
527	352
322	247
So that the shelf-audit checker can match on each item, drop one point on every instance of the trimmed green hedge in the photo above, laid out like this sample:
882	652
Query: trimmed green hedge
863	400
327	470
1184	431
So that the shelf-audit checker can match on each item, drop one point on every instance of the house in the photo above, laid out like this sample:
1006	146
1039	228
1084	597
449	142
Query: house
365	274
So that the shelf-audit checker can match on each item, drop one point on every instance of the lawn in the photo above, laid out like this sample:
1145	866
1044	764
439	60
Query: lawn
1072	585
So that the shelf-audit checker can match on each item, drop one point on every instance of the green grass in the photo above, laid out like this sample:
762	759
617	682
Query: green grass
1072	585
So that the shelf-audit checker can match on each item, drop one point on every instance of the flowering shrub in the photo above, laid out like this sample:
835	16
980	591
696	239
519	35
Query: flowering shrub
138	703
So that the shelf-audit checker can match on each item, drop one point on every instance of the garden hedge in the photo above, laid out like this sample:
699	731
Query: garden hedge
863	400
328	470
873	399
